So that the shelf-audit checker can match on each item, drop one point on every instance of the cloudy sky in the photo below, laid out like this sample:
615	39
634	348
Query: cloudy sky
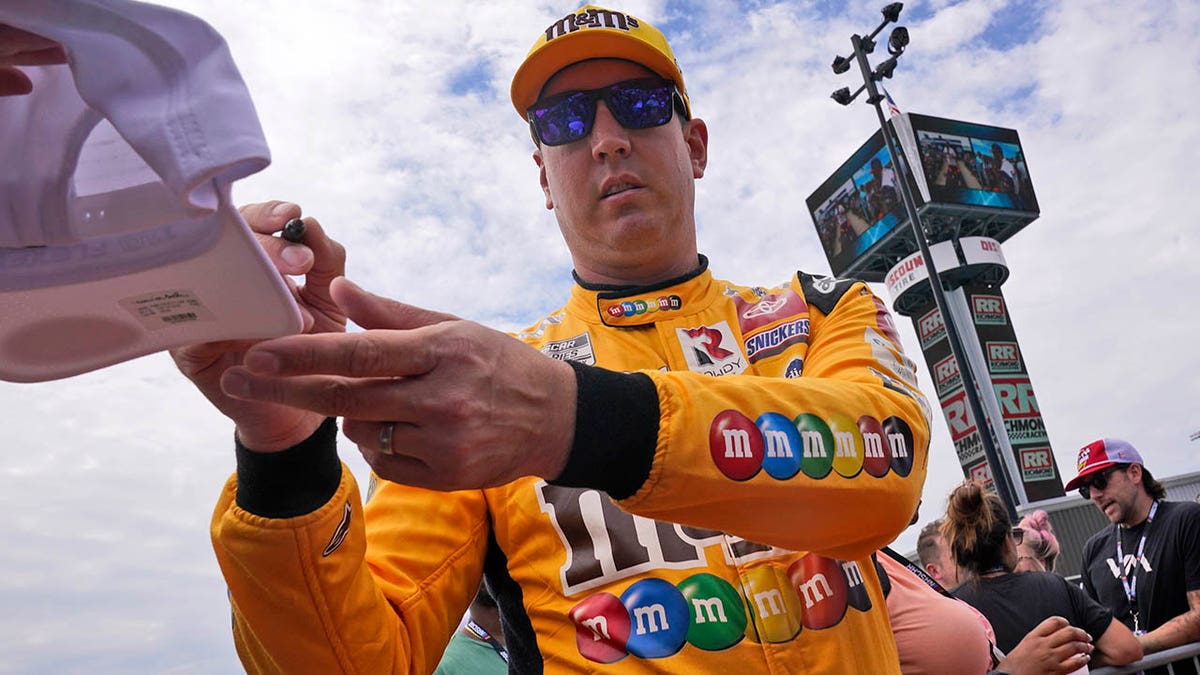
390	123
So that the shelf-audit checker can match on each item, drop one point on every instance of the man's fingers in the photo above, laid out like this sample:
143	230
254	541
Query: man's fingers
13	82
373	353
268	217
374	399
372	311
17	45
1049	626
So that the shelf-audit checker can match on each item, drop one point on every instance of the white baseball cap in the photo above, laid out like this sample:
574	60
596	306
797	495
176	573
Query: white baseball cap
118	236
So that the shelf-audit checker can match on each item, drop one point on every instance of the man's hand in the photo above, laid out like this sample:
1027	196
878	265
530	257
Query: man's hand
469	407
20	48
1054	647
267	427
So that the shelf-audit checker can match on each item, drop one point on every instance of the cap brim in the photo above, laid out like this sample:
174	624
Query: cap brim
230	291
584	45
1075	482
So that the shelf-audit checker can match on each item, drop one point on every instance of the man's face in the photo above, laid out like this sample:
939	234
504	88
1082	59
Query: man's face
624	198
943	569
1119	497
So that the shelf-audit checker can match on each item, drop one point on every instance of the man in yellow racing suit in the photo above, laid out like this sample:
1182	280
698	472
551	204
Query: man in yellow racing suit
671	473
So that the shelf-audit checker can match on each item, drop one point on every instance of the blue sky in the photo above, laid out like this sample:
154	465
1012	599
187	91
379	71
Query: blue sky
390	123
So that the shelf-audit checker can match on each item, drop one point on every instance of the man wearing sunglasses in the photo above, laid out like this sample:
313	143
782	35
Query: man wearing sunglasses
1146	567
672	472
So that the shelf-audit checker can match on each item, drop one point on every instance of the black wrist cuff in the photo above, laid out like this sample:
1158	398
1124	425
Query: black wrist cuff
616	431
293	482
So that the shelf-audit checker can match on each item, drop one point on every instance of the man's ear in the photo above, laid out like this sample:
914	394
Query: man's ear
537	159
1135	473
695	135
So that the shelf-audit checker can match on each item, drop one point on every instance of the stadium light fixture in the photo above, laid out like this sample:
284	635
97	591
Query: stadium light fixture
897	41
891	13
885	69
842	96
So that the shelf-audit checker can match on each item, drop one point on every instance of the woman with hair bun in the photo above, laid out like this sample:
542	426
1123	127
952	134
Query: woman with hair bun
1039	549
982	540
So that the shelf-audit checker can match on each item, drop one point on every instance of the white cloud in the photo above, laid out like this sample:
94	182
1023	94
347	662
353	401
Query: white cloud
109	478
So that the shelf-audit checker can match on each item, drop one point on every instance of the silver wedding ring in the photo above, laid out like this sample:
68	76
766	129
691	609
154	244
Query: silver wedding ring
385	438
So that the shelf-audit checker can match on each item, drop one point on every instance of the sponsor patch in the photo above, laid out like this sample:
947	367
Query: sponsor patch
768	309
883	319
794	369
578	349
774	341
654	619
590	18
889	356
339	533
712	350
783	446
540	329
628	309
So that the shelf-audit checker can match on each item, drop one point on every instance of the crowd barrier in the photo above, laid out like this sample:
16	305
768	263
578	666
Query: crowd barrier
1189	653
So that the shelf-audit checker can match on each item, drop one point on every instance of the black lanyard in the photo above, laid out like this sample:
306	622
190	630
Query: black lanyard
915	569
486	637
1129	580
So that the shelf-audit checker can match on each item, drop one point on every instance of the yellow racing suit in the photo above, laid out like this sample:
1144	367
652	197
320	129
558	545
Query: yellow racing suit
739	454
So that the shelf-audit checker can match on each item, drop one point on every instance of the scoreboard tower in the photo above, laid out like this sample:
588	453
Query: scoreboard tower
972	190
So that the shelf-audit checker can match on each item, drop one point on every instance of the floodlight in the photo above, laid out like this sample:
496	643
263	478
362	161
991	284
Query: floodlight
891	12
897	41
842	96
885	69
840	65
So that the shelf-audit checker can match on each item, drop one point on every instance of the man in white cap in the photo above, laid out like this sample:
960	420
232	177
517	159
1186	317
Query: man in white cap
1146	567
674	472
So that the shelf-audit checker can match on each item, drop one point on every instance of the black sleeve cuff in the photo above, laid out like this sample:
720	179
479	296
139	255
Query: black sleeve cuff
616	432
293	482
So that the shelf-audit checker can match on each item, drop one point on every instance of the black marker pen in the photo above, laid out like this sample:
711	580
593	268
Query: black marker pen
293	231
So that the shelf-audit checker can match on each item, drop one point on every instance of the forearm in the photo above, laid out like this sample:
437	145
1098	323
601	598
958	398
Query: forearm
1181	630
307	596
665	456
842	481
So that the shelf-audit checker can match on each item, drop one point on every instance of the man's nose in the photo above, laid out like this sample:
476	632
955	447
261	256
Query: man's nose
608	136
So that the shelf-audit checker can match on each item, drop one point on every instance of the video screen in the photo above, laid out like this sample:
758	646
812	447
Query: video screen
973	164
857	206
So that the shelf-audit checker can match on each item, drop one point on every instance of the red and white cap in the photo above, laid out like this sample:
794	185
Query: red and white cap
1101	454
118	236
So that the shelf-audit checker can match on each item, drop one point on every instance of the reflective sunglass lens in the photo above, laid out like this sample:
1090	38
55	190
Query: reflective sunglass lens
641	108
564	121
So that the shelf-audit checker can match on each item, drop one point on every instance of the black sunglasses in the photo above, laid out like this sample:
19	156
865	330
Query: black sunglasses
1018	535
635	104
1099	481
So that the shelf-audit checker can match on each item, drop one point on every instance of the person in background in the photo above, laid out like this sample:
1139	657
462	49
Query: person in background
477	647
1053	647
1146	567
983	540
1039	549
935	556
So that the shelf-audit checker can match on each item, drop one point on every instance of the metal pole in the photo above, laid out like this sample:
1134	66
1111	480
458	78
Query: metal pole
999	470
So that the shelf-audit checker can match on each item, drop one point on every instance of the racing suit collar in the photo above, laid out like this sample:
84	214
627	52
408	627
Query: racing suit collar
627	306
